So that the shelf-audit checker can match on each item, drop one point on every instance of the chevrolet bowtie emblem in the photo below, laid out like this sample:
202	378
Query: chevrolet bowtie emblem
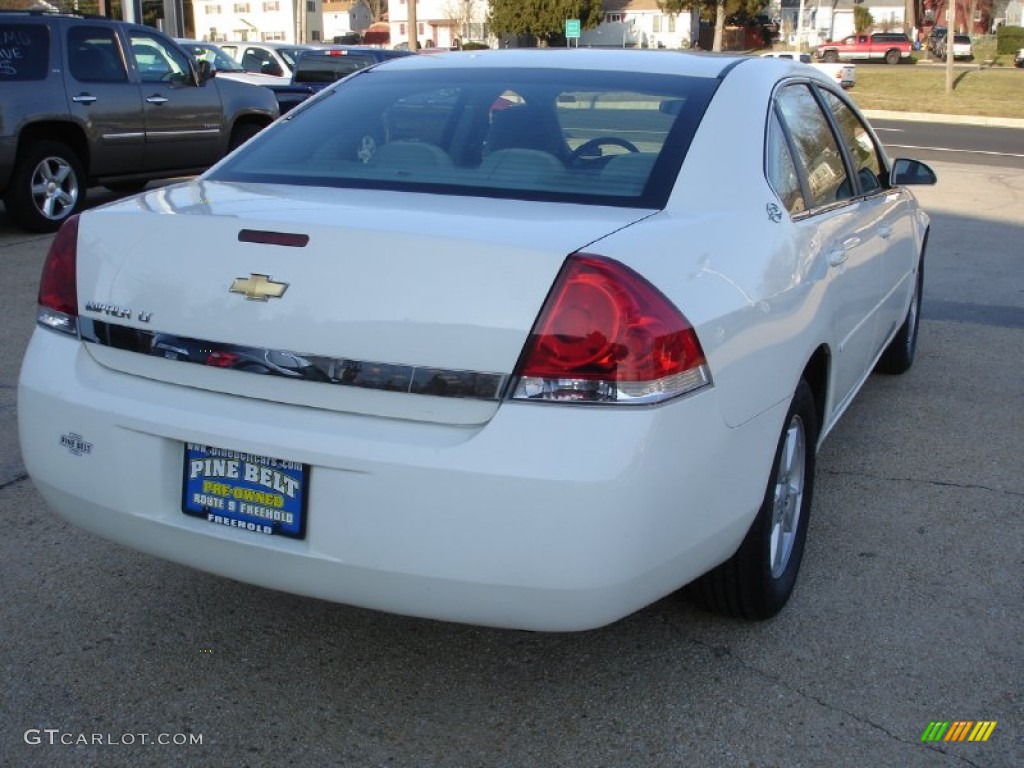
258	287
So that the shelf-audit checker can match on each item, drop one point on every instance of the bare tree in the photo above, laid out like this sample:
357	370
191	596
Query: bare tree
377	8
461	13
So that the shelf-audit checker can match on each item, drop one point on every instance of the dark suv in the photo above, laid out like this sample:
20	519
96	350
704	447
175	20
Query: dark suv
95	101
316	69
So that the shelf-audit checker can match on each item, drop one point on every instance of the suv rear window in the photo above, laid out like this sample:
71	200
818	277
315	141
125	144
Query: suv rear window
329	66
24	52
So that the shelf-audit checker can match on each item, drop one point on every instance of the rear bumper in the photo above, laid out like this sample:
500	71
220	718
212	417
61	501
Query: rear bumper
545	518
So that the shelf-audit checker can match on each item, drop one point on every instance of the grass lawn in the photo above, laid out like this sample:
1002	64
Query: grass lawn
921	87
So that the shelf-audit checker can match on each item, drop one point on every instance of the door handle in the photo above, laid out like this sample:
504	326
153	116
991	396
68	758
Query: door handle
836	257
84	98
156	99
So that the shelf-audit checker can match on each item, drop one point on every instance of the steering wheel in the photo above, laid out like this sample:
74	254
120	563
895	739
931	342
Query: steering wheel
588	147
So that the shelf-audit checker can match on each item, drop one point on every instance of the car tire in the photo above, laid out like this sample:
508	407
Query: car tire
899	354
241	133
46	188
758	579
830	56
892	57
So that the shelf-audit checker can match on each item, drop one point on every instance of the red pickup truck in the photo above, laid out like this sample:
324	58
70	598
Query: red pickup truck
889	47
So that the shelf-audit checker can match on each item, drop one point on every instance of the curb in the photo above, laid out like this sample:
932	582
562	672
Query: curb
927	117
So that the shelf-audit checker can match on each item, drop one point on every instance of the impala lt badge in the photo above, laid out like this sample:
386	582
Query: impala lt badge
258	287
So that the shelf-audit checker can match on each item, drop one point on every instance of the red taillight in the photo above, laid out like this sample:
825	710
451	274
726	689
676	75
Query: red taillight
58	286
605	334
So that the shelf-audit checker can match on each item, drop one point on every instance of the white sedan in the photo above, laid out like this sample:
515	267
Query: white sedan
844	73
517	338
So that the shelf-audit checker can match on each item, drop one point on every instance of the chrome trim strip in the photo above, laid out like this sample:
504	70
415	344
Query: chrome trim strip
174	134
389	377
115	136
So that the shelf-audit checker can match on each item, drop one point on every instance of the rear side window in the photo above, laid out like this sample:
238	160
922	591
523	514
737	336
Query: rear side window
605	138
24	52
781	170
94	56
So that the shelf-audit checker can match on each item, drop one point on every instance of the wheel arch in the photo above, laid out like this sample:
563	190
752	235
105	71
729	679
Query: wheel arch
57	130
245	121
816	374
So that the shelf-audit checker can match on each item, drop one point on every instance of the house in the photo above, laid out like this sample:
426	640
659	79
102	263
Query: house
439	23
833	20
638	24
302	21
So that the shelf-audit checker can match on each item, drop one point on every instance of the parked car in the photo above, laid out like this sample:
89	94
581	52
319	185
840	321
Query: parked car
92	101
316	69
843	73
546	354
226	67
275	59
934	36
890	47
962	47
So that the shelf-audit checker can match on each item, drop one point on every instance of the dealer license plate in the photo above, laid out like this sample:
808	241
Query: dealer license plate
243	490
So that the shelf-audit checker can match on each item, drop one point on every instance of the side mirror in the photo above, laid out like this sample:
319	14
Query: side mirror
906	172
204	71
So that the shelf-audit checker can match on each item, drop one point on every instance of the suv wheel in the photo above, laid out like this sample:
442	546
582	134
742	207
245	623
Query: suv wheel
892	57
46	186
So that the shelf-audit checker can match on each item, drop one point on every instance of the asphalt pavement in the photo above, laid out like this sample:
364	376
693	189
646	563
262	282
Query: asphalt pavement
909	609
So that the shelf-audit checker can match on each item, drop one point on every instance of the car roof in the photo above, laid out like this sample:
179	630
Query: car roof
368	50
273	44
666	62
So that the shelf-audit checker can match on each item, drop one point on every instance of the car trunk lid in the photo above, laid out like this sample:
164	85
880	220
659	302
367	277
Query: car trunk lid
380	303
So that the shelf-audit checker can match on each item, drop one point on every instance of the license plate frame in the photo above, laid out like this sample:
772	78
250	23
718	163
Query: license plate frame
251	492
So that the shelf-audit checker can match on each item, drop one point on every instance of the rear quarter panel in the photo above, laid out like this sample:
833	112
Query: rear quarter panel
752	286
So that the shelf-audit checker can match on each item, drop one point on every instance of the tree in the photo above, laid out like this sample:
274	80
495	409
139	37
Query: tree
377	8
542	19
862	19
461	13
719	10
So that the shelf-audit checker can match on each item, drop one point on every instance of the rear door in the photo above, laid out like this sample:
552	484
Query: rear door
890	239
104	99
837	231
184	120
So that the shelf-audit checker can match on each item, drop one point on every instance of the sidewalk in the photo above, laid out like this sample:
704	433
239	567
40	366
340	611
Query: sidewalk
928	117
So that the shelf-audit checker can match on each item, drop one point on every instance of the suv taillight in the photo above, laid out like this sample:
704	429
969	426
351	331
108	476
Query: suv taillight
606	335
58	286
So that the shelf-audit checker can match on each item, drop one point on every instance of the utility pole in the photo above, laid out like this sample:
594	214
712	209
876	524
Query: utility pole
414	43
950	37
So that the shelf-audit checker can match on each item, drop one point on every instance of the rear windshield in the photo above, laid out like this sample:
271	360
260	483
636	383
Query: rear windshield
24	52
326	68
607	138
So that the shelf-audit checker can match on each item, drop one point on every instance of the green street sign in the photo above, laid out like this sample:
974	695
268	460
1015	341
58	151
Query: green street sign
572	28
